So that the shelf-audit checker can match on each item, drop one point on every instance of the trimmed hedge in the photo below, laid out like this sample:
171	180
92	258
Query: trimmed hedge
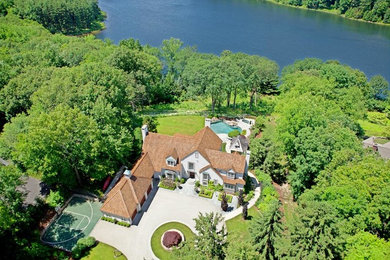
112	220
206	193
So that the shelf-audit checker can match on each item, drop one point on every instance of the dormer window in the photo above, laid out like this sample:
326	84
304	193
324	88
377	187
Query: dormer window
171	163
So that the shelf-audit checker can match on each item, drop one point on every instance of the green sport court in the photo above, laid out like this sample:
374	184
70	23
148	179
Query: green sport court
76	221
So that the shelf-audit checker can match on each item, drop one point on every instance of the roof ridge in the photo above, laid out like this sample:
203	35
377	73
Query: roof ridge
133	192
124	203
118	190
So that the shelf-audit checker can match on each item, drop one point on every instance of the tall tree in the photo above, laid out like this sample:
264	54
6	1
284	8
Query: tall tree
315	232
211	239
266	230
64	146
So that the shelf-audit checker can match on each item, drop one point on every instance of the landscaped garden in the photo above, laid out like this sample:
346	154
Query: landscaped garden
167	184
158	248
187	125
104	252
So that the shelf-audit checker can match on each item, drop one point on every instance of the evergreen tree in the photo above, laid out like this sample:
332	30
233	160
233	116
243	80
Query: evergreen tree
224	203
265	231
315	232
241	198
245	211
210	240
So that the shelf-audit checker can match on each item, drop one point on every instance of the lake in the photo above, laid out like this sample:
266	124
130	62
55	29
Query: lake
281	33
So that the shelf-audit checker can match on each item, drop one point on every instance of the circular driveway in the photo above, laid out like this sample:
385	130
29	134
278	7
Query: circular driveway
166	206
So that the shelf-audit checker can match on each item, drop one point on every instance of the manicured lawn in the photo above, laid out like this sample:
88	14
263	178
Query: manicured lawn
187	125
240	227
103	252
158	250
371	129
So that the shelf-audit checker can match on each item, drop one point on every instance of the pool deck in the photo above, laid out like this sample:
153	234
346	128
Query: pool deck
244	126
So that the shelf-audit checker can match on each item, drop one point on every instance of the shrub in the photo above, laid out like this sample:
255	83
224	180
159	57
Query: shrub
197	184
182	180
171	238
377	118
229	198
245	211
249	196
83	244
243	132
219	187
224	203
124	224
108	219
55	198
234	133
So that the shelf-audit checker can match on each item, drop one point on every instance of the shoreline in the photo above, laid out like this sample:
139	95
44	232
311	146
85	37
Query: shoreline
327	12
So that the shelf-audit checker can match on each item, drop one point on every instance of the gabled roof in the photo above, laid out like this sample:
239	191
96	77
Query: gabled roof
144	167
226	161
123	199
160	146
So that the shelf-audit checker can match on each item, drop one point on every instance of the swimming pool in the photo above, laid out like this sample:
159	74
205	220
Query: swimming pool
221	127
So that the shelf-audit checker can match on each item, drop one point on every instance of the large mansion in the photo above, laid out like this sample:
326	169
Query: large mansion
179	156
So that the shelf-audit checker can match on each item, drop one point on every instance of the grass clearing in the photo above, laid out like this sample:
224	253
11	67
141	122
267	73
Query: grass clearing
103	252
240	227
187	125
371	129
157	248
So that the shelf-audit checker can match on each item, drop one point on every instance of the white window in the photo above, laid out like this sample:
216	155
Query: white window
205	179
190	165
229	186
196	155
171	163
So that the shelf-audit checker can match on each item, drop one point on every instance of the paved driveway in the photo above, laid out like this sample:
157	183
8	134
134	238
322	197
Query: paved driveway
166	206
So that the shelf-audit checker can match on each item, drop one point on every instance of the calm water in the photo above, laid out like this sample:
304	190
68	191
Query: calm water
280	33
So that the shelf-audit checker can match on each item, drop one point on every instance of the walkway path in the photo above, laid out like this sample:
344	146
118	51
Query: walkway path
251	203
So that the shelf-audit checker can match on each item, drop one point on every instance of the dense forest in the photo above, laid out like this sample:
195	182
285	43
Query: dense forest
58	16
71	111
372	10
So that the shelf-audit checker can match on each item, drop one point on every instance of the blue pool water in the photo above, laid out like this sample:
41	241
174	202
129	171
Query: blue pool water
223	128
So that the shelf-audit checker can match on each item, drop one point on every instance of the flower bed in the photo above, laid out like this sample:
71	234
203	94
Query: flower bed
228	197
206	193
171	238
167	184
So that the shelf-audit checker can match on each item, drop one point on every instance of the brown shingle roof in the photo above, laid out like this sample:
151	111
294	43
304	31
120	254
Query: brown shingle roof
144	167
159	146
226	161
233	181
123	199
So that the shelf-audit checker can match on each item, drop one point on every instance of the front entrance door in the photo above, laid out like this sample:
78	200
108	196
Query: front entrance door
192	175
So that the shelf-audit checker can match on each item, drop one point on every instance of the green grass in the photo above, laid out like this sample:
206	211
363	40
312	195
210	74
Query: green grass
102	252
240	227
157	248
187	125
371	129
